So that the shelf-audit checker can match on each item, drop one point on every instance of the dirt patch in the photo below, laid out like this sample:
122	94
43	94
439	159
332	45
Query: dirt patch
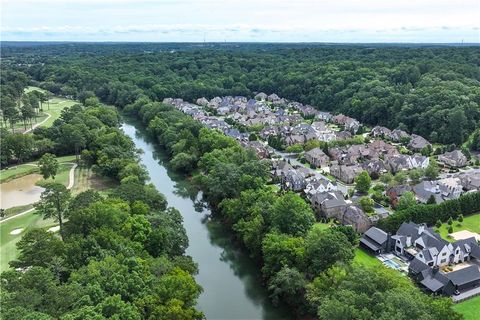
14	232
464	234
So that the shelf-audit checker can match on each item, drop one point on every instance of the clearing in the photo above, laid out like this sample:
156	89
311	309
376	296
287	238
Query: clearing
469	308
470	223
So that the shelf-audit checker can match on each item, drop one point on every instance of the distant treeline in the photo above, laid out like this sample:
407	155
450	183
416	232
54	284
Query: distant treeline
432	91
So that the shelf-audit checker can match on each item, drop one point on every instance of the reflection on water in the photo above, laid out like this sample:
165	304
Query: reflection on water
231	281
20	191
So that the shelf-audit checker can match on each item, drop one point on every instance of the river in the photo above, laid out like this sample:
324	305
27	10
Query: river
231	281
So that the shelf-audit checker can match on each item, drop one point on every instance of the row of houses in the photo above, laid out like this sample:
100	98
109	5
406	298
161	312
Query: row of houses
438	266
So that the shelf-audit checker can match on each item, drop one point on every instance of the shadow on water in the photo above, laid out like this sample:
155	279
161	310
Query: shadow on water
231	281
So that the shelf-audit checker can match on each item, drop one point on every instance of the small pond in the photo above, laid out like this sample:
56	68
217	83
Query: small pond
20	191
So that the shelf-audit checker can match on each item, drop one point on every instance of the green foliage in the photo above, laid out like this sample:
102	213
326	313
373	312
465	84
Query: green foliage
48	166
432	171
460	218
406	200
367	204
296	148
363	182
54	203
468	203
292	215
324	248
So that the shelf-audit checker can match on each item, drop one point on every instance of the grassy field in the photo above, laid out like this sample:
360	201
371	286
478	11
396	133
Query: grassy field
470	223
470	309
366	259
15	172
8	251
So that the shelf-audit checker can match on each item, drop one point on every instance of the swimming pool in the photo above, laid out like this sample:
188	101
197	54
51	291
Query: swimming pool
392	264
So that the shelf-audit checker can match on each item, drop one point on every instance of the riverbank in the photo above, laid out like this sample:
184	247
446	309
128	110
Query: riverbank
231	281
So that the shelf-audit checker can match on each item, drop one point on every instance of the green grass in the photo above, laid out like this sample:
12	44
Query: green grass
470	223
19	171
8	250
470	309
366	259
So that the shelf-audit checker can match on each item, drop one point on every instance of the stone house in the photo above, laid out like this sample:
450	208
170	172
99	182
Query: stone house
317	157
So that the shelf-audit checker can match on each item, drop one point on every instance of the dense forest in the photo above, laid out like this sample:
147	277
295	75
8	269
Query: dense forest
431	91
119	254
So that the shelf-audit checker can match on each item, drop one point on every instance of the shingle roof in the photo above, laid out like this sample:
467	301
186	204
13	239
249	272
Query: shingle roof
464	275
417	266
377	235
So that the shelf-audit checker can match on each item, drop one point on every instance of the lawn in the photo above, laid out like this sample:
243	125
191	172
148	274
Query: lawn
470	309
15	172
8	251
470	223
366	259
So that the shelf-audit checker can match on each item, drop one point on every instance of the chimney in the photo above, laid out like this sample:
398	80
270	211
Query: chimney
435	269
421	228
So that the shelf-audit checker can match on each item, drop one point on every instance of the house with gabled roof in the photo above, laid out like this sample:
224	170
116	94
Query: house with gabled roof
454	159
317	157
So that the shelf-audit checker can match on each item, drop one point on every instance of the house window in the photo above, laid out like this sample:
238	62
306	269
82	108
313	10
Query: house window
443	260
430	263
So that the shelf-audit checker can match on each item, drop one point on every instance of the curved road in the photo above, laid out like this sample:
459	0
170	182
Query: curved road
71	182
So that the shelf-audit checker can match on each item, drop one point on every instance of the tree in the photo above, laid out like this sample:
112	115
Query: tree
292	215
406	200
287	285
39	248
324	248
415	175
431	200
367	204
400	177
48	164
54	203
432	171
363	182
460	218
450	229
438	224
450	221
386	178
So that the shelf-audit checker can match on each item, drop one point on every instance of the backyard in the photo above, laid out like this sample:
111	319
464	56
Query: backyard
470	223
470	309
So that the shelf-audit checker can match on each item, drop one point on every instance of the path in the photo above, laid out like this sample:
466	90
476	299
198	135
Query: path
71	182
38	124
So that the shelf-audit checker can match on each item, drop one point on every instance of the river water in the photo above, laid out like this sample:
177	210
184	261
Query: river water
231	281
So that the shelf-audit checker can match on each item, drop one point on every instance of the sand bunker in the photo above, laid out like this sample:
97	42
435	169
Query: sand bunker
464	234
16	231
54	229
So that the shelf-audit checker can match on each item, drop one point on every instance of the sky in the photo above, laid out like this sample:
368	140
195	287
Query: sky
419	21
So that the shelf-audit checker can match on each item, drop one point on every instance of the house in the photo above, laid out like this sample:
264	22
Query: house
260	149
355	217
398	135
261	96
345	173
273	97
325	116
322	132
379	131
454	159
317	158
470	180
343	135
417	142
293	180
375	167
318	184
398	162
294	139
441	190
329	204
375	240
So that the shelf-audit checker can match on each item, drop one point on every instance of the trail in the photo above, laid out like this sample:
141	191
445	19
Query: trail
71	182
38	124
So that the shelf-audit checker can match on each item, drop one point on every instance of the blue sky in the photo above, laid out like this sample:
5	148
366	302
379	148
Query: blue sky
242	20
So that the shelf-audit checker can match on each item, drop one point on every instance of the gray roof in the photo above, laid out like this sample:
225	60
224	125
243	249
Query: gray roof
376	235
417	266
464	275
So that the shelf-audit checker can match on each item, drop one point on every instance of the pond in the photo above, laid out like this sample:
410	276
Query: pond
20	191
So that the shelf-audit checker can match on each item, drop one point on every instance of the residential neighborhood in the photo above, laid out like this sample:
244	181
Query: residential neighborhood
281	125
